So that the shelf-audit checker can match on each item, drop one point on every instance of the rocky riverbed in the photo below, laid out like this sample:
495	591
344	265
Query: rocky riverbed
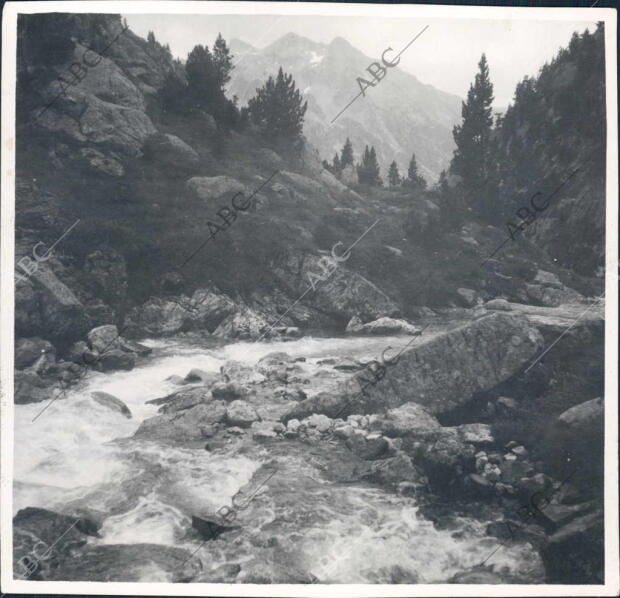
258	462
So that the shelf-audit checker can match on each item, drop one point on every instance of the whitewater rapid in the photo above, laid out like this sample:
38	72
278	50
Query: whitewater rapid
79	456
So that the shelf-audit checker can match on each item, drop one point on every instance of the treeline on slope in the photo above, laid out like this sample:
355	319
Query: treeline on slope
368	172
555	126
276	111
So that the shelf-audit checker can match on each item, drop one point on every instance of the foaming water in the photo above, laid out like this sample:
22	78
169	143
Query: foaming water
82	454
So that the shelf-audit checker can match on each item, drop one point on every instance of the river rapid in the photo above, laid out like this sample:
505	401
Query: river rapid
79	457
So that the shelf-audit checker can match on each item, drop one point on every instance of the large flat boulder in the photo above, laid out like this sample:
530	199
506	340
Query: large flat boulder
440	373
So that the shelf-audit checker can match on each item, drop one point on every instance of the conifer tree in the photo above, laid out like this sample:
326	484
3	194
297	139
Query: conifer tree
201	76
472	157
346	157
368	170
394	175
414	179
222	60
278	108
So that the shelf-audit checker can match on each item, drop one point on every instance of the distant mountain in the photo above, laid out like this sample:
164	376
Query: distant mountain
399	116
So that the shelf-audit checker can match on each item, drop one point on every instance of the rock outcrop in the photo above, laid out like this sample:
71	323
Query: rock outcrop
440	373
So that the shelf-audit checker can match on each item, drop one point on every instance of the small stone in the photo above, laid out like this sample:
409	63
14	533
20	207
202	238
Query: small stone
492	472
279	428
293	426
480	454
510	457
319	421
520	451
507	404
343	432
235	431
495	458
207	431
510	444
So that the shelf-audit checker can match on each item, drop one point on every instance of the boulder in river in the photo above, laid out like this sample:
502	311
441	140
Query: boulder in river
383	325
440	373
241	413
111	402
117	360
186	398
104	338
410	419
184	426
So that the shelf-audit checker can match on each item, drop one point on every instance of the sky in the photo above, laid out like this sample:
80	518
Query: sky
445	55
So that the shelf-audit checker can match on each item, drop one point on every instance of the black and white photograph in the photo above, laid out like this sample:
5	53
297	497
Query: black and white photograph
309	299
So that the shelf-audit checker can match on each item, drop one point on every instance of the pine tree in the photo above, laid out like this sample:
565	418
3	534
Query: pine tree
202	76
368	170
222	60
472	156
150	38
278	108
414	179
394	175
346	157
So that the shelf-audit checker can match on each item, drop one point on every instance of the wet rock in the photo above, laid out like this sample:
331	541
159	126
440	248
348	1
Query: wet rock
228	391
410	419
347	364
480	484
394	470
184	426
209	529
176	379
383	325
104	338
198	375
478	577
28	350
328	361
43	539
235	371
116	360
171	151
368	447
242	414
182	399
128	562
133	347
274	358
30	388
111	402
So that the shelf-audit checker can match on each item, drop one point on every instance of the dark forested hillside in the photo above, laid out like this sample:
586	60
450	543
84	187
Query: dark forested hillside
554	128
